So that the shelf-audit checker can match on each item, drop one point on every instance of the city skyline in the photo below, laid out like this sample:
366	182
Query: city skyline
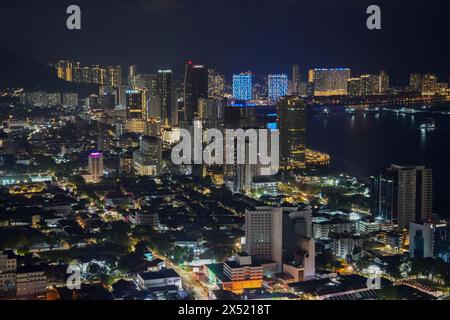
241	151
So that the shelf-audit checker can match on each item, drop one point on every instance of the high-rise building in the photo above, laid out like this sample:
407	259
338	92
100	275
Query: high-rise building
354	87
64	70
296	79
96	166
282	235
369	84
329	82
278	86
415	82
132	71
402	195
211	111
429	84
114	76
243	86
195	87
264	233
291	121
136	105
99	75
147	82
429	240
148	159
216	84
384	82
164	89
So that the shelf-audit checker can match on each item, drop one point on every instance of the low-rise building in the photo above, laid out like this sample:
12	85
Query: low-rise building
162	278
236	275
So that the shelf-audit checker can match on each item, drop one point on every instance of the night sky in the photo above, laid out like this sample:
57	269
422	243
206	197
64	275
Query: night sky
235	35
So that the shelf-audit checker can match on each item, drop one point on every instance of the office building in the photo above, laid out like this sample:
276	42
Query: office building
216	84
291	123
429	240
278	86
136	105
147	82
148	159
296	79
329	82
282	235
195	87
243	86
402	195
164	90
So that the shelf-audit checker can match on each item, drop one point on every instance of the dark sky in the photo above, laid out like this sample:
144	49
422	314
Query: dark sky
238	35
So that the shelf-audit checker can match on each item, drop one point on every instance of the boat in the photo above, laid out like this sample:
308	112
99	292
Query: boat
429	124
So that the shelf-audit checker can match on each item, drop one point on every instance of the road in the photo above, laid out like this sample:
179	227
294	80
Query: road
191	284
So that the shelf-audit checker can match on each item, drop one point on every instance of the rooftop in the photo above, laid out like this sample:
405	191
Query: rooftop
162	274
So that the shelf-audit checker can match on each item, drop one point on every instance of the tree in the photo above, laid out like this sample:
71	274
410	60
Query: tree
119	233
325	260
179	254
363	262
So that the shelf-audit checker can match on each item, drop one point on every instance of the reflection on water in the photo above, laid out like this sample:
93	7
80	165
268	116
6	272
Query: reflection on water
362	142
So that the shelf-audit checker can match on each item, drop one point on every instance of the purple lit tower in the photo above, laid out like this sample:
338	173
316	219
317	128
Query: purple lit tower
96	166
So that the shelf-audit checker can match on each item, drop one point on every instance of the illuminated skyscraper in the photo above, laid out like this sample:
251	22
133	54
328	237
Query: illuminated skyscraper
296	79
148	82
64	70
96	166
216	84
429	84
402	194
195	87
148	159
291	121
136	105
384	83
114	76
354	86
415	82
370	84
243	86
164	89
132	71
278	86
329	82
282	235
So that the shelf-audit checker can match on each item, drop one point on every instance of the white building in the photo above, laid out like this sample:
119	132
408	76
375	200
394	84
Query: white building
165	277
343	245
31	282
